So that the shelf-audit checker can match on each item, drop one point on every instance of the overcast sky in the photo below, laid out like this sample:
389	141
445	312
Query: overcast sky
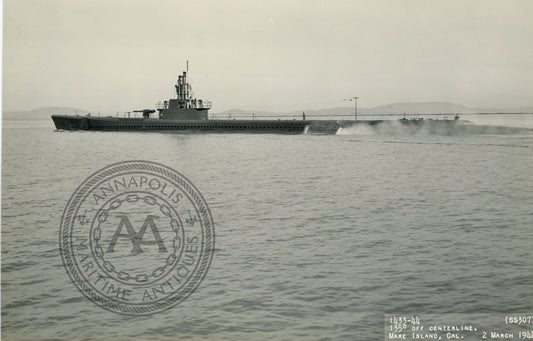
110	55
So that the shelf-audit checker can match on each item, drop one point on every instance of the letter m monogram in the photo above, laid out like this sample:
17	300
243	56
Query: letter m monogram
136	238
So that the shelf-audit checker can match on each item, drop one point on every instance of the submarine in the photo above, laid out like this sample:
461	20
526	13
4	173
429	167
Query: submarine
185	113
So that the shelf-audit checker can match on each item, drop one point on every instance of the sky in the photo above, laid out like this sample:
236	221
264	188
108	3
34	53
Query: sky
274	55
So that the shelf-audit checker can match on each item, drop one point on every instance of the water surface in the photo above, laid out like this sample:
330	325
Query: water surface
317	236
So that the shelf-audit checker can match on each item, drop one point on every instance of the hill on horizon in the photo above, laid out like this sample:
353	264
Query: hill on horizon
425	107
394	108
41	113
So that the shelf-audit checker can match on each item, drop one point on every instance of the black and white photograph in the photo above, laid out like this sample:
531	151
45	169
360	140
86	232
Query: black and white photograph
267	170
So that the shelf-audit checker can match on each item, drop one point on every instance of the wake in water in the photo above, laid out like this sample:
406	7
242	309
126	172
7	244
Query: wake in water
428	128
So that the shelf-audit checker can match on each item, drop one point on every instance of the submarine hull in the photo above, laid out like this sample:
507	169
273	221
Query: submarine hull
66	122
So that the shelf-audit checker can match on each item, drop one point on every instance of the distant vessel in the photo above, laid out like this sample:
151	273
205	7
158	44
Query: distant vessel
185	113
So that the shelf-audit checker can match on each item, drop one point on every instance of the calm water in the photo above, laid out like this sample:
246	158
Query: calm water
317	237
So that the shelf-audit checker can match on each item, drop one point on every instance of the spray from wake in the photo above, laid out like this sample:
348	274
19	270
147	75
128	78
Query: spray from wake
360	129
427	127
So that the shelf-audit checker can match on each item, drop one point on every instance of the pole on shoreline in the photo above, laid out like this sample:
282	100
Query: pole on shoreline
355	110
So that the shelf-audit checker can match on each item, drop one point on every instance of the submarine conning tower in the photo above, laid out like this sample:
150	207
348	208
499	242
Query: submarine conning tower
184	107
